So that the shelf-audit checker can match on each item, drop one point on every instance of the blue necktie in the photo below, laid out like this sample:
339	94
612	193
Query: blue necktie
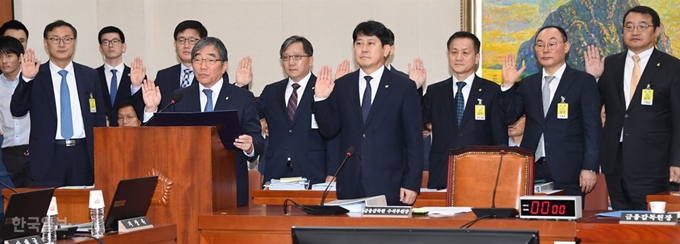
209	103
65	104
114	86
366	102
460	102
185	81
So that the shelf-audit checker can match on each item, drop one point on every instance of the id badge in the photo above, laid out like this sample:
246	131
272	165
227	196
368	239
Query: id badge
647	96
480	110
562	109
93	104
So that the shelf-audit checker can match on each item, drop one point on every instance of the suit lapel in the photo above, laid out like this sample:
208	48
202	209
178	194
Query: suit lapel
305	99
48	88
652	67
382	92
537	86
562	88
353	86
449	102
105	89
281	98
475	93
192	100
223	99
84	89
124	86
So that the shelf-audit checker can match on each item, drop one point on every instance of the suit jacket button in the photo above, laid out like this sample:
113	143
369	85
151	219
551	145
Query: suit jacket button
290	131
364	135
625	116
460	135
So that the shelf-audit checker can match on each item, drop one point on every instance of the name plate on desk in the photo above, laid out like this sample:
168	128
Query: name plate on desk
644	218
26	240
388	211
133	224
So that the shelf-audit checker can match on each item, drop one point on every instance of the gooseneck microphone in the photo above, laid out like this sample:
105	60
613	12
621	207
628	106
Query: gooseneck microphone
321	209
494	212
176	97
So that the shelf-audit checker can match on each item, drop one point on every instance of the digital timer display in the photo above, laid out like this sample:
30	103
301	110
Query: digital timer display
550	207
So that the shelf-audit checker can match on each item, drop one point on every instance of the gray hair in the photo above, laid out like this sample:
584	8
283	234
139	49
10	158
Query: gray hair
306	45
211	41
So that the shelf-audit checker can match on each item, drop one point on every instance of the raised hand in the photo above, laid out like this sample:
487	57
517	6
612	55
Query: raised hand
29	65
417	72
510	73
343	69
151	95
324	83
244	74
137	72
593	62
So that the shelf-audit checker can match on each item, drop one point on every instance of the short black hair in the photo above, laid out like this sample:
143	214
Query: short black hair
123	104
464	34
391	40
10	44
111	29
13	25
560	29
656	21
372	28
306	45
59	23
190	24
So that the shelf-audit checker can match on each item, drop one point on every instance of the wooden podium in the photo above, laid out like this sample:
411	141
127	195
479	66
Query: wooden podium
196	174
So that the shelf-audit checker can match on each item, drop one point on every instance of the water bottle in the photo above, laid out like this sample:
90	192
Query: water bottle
97	213
50	223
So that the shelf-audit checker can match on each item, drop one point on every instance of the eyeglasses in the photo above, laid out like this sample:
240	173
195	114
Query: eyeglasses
642	27
66	40
295	57
191	41
551	46
210	61
110	42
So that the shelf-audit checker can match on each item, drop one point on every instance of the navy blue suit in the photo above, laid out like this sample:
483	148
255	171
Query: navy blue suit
168	81
37	96
230	98
122	94
439	108
312	155
572	144
389	146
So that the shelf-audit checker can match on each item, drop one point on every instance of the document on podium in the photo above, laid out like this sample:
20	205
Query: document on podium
357	205
227	123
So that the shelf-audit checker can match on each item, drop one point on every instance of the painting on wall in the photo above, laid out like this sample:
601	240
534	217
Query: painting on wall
509	26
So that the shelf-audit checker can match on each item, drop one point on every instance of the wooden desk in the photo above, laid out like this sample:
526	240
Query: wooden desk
160	234
672	201
267	197
73	204
595	229
267	224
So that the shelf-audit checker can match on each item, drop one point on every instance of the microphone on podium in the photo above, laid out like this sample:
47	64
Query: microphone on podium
322	209
494	212
176	97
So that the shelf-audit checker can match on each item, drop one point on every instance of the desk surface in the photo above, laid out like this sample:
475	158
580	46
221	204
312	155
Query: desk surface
160	234
268	197
267	224
595	229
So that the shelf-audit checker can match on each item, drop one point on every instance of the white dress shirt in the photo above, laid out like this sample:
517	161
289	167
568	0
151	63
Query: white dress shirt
216	88
181	74
375	82
119	75
466	89
16	130
289	88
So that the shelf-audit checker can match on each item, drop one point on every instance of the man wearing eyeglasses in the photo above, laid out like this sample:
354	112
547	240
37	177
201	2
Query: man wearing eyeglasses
212	93
640	89
181	75
65	102
114	75
296	148
562	107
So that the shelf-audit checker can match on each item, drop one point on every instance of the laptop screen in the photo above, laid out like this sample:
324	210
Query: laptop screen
132	199
24	213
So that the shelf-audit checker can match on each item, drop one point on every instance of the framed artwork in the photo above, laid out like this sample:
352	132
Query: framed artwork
509	26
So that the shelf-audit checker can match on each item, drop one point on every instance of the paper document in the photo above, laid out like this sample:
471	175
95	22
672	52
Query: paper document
358	204
76	187
445	211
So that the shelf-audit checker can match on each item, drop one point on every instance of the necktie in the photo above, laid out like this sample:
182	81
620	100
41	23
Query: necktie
366	101
293	101
114	86
460	102
209	102
185	81
65	107
540	150
635	78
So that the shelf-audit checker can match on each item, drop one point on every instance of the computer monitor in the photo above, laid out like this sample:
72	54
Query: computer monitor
24	214
132	199
363	235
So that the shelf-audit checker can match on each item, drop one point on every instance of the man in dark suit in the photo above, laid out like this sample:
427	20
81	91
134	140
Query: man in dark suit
374	111
112	46
562	110
181	75
65	102
16	29
451	105
640	90
212	93
296	148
